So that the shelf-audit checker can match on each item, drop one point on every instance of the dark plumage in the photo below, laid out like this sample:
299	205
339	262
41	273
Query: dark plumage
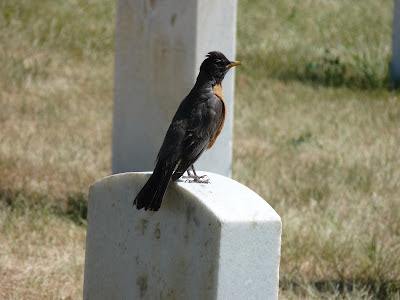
194	128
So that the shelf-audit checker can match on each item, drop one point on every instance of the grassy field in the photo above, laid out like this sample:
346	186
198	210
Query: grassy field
317	134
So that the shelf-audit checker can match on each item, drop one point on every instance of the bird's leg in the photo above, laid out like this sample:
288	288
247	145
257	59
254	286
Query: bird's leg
195	178
189	175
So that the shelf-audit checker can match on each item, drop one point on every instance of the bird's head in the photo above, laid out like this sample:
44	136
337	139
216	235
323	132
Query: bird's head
217	65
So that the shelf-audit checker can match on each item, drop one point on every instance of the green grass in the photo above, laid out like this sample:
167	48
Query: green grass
316	135
301	41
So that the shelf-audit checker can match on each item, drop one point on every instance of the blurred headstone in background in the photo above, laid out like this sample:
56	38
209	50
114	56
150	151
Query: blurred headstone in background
395	62
159	48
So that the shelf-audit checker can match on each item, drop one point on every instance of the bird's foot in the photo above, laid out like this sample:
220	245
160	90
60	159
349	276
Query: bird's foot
194	178
197	179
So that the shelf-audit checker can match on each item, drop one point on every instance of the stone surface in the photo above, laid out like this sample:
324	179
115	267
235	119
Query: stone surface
158	51
208	241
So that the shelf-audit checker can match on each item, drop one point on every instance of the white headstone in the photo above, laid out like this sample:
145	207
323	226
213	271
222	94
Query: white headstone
207	241
158	51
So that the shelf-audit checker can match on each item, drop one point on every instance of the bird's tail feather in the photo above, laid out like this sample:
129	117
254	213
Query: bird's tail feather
153	191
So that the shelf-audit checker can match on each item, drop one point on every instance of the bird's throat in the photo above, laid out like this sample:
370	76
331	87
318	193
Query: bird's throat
217	90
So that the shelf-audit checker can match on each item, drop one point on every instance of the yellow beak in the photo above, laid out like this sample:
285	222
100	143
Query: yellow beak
234	64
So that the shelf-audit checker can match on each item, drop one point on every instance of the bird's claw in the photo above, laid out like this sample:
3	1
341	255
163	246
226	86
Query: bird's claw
198	179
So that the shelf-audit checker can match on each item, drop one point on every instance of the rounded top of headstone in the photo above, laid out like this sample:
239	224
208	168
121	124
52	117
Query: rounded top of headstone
226	199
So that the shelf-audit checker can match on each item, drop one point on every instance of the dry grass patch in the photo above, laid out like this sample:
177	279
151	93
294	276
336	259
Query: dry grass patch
56	96
41	256
328	162
55	139
317	135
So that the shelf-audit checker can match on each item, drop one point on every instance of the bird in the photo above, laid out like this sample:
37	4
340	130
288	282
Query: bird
194	129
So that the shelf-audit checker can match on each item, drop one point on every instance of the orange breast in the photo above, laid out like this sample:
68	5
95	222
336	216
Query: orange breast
217	90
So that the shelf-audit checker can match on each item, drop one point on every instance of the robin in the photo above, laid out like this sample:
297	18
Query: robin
194	129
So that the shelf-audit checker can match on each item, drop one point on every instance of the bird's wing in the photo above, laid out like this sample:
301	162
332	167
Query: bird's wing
206	120
171	149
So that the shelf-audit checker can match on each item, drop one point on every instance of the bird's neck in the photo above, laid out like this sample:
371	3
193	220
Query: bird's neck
204	80
206	84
